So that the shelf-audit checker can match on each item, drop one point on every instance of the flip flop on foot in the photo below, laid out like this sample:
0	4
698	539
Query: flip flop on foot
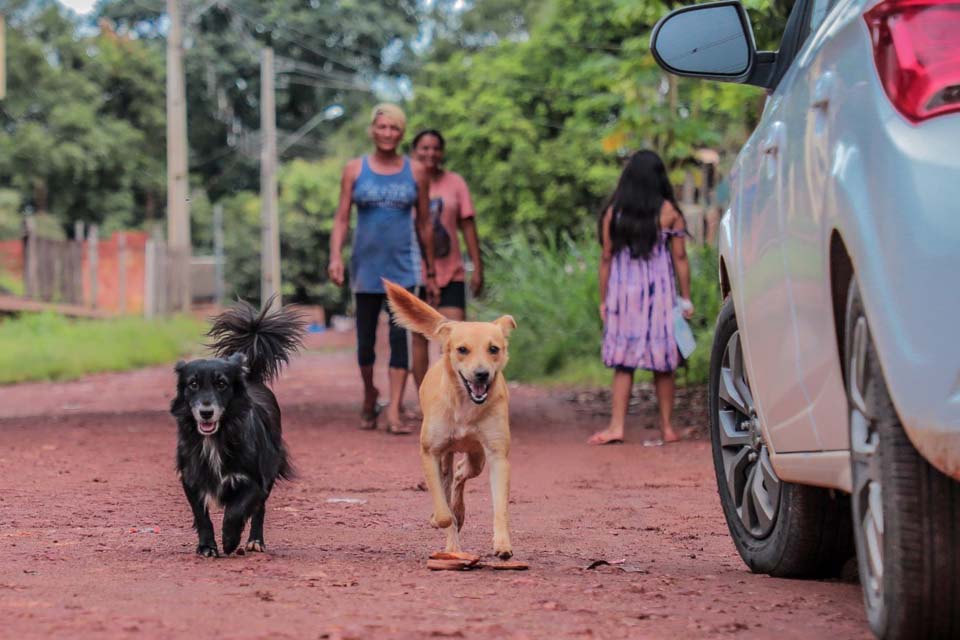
602	437
399	429
656	442
368	419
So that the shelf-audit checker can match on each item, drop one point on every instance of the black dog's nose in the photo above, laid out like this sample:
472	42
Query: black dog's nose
481	375
206	414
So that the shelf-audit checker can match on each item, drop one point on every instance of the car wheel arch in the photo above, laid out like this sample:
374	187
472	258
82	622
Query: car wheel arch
841	275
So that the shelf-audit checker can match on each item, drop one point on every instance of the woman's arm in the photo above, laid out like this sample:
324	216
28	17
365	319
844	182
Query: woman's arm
678	248
341	222
469	228
425	229
606	257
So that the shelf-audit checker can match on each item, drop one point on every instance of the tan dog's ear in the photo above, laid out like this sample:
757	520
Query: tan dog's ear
413	313
506	324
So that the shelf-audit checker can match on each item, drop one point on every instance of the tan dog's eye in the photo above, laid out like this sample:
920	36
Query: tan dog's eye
463	351
494	349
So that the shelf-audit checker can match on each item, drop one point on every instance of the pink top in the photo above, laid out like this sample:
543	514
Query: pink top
450	197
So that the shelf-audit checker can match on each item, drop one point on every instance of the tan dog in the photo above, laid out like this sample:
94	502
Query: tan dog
464	400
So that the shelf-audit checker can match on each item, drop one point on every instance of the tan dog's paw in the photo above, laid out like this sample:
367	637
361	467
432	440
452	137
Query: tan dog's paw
442	520
502	549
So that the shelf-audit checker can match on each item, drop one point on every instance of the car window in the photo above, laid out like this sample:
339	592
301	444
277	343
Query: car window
818	12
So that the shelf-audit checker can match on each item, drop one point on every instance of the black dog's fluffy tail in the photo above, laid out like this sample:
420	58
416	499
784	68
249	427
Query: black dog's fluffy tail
267	338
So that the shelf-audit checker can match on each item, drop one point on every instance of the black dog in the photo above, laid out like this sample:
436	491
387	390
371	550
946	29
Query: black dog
229	445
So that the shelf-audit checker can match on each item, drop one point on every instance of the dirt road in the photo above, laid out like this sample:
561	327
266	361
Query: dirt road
96	535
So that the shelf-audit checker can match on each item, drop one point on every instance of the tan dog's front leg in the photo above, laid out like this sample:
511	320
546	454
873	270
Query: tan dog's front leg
500	488
442	516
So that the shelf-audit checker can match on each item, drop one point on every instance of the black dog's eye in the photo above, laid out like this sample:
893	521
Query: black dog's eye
494	349
194	384
221	384
463	351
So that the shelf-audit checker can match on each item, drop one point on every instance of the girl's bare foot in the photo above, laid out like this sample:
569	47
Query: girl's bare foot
669	435
607	436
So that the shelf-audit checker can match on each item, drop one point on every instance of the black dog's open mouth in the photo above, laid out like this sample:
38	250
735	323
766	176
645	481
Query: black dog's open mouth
477	391
207	428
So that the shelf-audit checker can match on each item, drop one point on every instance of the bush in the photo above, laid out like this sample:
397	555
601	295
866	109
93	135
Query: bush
550	287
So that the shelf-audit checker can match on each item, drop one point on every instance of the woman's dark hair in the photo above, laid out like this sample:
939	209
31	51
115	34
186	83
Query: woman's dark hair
636	204
429	132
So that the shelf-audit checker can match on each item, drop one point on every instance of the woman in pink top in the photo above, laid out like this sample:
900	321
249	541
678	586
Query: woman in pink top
452	210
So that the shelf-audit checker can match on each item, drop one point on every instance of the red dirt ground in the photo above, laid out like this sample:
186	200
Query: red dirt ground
97	539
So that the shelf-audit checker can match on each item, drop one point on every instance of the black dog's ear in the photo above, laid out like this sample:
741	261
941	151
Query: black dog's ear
180	366
239	360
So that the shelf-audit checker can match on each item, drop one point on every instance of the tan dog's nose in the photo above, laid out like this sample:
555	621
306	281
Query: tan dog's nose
481	375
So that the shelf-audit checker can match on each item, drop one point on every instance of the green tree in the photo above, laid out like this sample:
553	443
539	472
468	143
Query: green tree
79	137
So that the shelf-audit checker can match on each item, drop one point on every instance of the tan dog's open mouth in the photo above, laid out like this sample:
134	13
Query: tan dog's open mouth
478	391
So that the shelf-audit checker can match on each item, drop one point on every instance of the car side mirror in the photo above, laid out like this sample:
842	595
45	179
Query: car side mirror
713	41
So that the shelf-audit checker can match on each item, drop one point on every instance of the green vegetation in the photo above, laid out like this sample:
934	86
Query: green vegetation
550	288
50	347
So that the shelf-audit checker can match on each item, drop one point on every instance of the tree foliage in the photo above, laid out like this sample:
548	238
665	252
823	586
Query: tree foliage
539	119
81	129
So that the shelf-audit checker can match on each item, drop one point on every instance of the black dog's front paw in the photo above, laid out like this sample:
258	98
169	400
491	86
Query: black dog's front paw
256	546
230	542
207	551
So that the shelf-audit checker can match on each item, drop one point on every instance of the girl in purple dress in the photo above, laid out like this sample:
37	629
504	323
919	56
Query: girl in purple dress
643	234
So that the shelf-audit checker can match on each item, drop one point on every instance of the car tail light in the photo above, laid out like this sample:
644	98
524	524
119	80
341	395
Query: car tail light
916	46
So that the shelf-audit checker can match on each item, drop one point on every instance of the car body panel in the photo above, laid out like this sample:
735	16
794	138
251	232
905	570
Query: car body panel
890	190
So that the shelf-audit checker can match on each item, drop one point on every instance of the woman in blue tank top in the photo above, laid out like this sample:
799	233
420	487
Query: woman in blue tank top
385	186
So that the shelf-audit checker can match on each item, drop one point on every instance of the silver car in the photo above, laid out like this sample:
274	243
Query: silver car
835	376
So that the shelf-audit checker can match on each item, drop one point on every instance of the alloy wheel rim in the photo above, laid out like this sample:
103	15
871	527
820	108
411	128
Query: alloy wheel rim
867	483
750	479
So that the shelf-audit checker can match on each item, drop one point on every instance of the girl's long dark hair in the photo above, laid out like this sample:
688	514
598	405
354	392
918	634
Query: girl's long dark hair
636	204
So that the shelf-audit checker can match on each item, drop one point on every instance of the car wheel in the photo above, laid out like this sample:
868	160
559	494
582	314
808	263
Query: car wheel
906	514
779	528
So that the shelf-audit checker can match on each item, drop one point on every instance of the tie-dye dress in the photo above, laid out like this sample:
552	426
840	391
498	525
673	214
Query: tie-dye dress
641	294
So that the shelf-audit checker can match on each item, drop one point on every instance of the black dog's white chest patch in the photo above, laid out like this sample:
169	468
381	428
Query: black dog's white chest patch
211	453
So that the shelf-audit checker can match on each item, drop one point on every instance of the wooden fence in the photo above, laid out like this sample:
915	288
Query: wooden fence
127	274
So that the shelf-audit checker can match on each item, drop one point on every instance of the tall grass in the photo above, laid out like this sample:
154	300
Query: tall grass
51	347
550	287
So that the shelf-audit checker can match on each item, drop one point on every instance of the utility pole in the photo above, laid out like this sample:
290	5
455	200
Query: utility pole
219	289
270	225
178	204
3	57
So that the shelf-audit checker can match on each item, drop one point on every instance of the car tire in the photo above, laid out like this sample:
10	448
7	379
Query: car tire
906	514
779	528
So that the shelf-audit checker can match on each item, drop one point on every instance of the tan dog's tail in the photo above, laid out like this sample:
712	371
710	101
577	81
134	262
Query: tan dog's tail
413	313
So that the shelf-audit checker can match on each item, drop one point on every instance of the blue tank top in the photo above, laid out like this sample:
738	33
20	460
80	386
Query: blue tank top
384	245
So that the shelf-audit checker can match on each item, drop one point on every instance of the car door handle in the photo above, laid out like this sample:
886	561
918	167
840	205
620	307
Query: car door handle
771	147
822	91
773	140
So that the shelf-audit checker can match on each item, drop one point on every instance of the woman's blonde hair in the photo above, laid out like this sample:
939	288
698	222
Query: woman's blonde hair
391	111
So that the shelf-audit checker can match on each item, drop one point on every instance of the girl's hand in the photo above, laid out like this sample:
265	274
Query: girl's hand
686	307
